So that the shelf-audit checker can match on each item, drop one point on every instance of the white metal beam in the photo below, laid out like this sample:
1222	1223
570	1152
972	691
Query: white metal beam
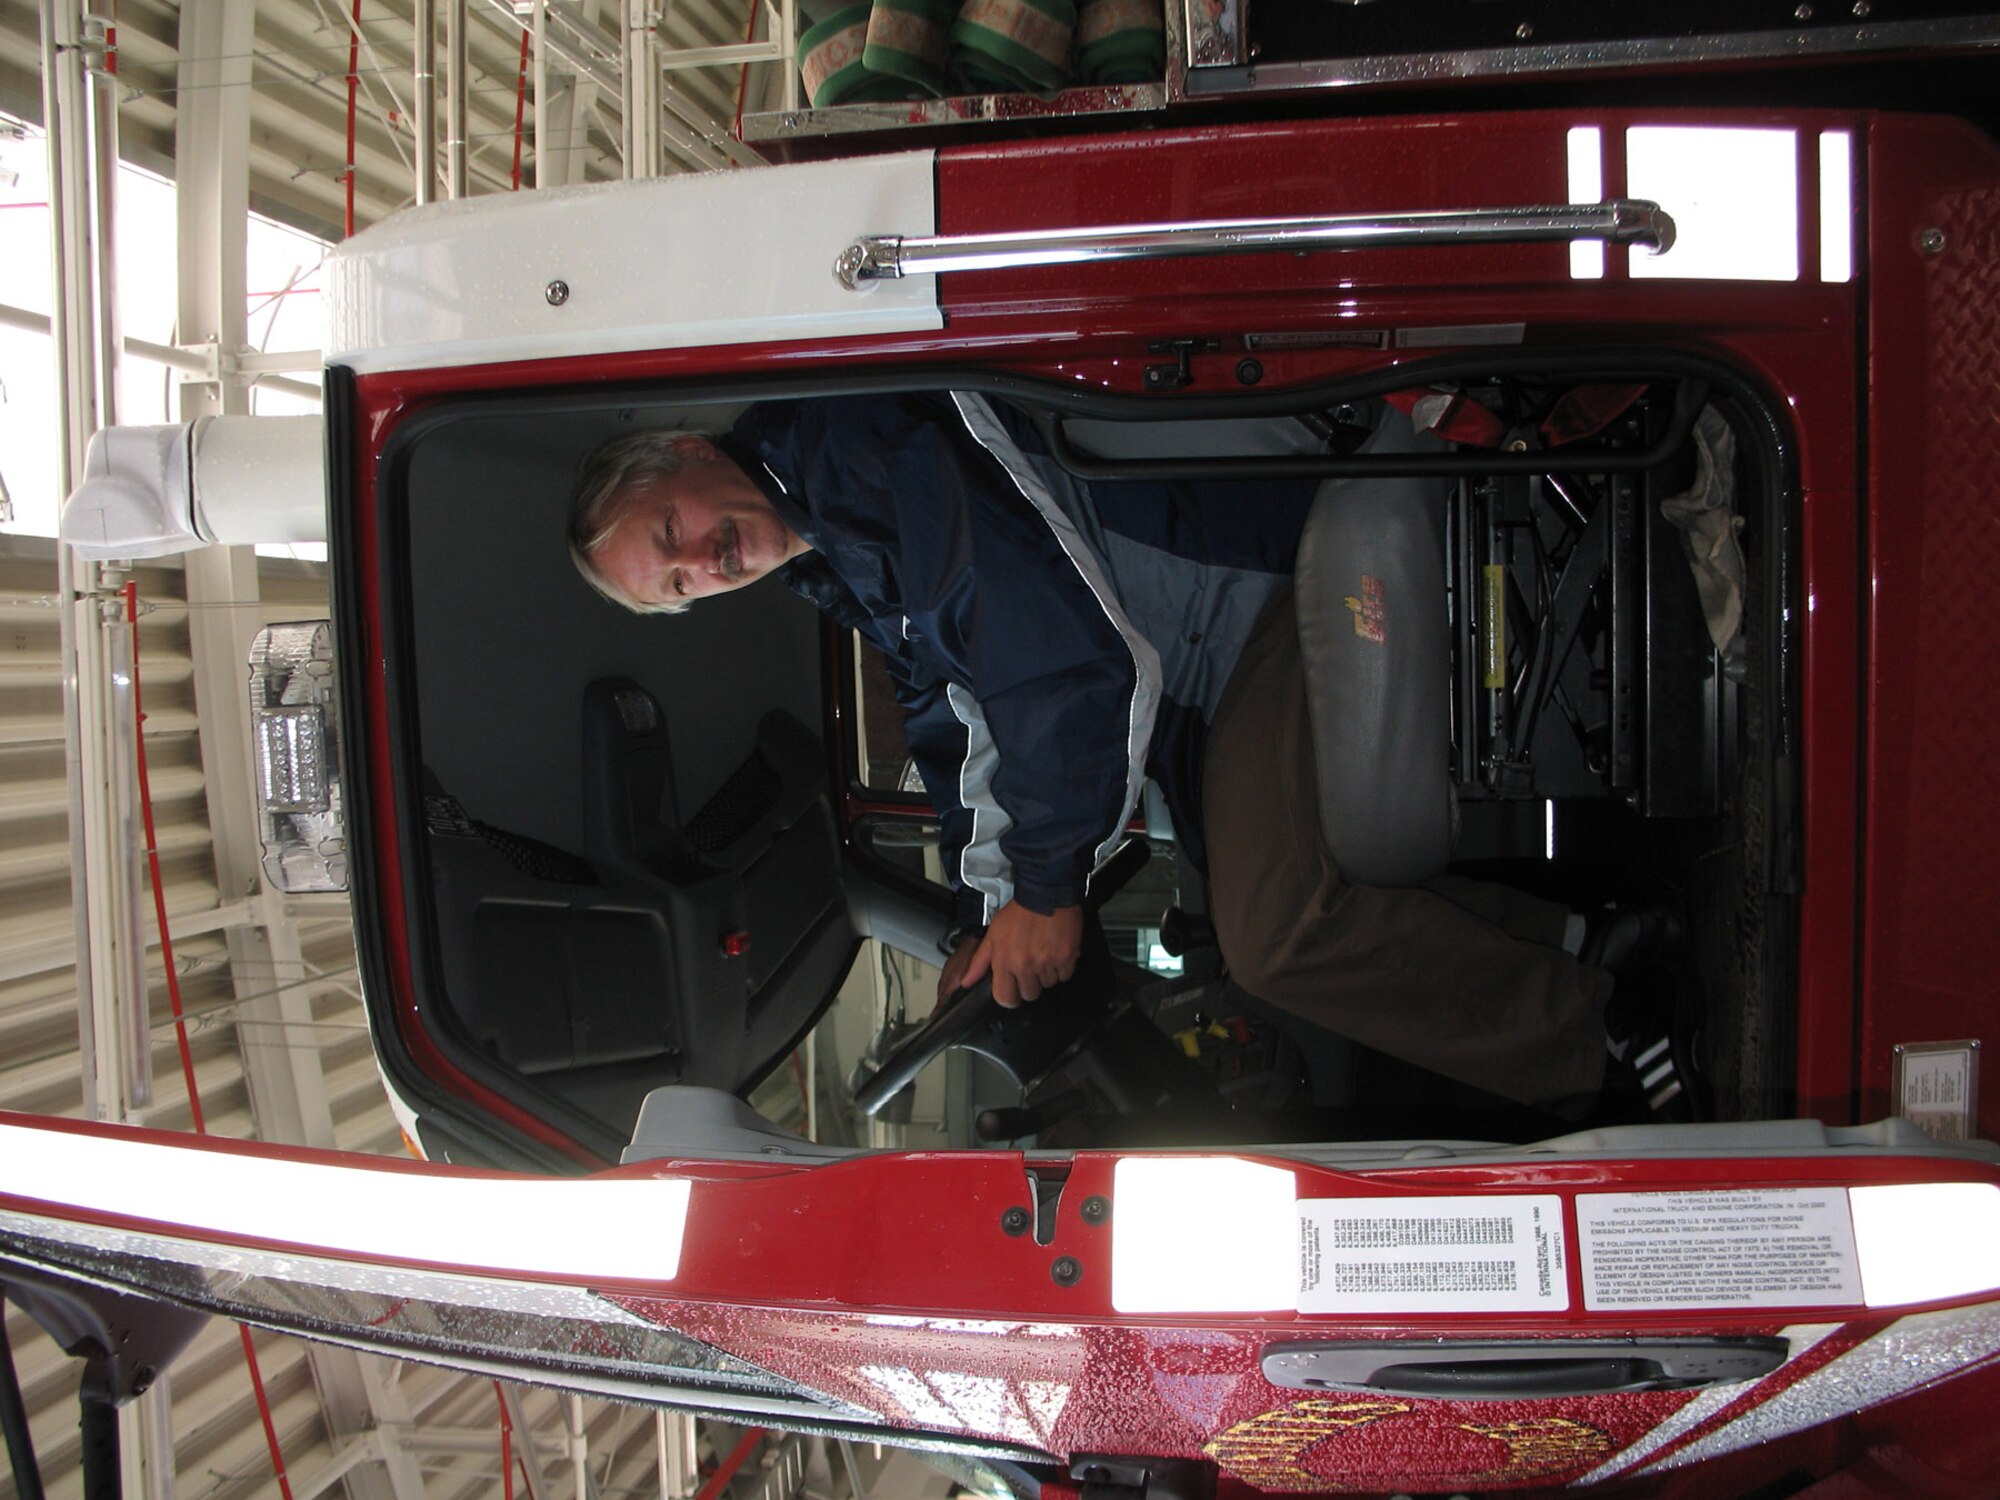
66	115
570	44
361	1450
286	1082
571	70
677	1454
639	73
689	128
205	362
476	1440
579	1449
80	115
212	193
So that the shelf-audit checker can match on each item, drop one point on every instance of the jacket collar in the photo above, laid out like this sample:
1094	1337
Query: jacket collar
791	508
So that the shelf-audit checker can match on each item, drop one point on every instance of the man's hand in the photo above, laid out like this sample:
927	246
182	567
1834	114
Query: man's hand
1025	951
951	978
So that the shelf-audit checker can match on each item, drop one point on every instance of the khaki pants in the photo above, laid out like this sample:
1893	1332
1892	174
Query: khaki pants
1460	977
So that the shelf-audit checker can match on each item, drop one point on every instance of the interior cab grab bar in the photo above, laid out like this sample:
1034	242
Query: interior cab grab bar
1621	221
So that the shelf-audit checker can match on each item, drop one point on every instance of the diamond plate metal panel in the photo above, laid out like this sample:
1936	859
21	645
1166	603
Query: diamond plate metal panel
1931	944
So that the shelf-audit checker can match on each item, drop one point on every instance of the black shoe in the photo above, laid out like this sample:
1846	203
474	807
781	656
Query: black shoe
1650	1028
1663	1079
1624	937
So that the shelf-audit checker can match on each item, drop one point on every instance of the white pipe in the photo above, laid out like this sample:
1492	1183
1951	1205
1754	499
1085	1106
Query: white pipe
152	491
155	1410
126	829
630	85
104	216
423	65
80	650
539	29
454	99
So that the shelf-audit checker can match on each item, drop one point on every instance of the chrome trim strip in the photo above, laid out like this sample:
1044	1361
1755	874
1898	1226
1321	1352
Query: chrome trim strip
889	257
566	1337
1965	34
958	109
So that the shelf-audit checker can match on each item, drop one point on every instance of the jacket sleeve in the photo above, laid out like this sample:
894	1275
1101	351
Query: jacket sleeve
1030	697
937	743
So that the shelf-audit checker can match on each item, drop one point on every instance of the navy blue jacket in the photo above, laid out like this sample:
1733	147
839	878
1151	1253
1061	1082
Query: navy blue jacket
1054	643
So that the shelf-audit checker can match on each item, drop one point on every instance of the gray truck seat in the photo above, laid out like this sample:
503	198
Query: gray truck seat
1374	633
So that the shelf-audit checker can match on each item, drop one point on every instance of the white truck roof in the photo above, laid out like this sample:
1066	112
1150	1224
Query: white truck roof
743	256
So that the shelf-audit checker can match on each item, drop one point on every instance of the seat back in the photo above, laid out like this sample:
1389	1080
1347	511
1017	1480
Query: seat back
1375	637
546	969
748	887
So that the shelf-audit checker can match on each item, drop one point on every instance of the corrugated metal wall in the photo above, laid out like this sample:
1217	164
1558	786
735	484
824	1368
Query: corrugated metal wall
385	1431
41	1068
442	1428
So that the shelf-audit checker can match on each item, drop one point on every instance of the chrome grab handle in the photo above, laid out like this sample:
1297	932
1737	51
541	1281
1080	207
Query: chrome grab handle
1623	221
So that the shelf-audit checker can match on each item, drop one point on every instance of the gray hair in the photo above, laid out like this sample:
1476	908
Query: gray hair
598	502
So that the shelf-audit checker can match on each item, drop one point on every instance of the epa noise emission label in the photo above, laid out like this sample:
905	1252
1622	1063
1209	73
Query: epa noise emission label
1762	1247
1502	1253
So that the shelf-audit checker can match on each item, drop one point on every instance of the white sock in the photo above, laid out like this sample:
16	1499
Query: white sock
1573	931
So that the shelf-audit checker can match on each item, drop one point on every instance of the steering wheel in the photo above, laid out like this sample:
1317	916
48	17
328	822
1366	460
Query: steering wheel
1043	1028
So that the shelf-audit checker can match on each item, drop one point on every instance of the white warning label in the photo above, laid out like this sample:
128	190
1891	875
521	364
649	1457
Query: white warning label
1447	1254
1756	1247
1936	1086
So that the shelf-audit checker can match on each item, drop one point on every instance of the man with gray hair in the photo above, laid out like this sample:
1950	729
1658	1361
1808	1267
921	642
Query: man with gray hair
1056	644
661	518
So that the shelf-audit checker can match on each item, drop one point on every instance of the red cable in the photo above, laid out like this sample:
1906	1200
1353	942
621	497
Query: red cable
174	1000
737	1457
520	106
264	1411
353	87
153	860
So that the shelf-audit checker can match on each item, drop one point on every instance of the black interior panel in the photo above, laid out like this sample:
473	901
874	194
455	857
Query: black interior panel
609	797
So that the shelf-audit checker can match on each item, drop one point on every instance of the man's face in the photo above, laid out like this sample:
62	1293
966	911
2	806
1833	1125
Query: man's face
705	529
